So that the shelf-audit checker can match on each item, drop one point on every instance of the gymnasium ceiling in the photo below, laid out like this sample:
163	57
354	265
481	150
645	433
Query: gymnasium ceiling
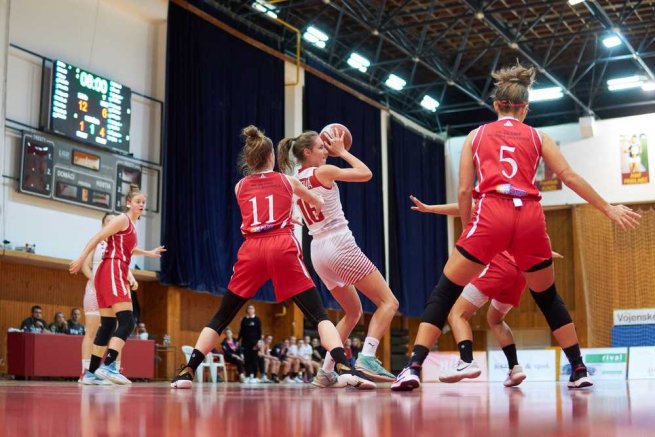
447	49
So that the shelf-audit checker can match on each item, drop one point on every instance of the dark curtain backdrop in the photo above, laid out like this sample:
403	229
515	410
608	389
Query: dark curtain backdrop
215	86
362	202
418	242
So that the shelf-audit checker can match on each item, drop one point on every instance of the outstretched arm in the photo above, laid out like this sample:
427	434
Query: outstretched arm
116	225
152	253
620	214
451	209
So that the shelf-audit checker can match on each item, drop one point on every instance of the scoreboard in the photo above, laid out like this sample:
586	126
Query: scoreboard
89	108
76	174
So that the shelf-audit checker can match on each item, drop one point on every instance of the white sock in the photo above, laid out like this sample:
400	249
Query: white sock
85	365
328	364
370	346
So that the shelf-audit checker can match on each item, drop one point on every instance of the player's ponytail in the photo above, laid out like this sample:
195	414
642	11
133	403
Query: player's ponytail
294	146
256	150
512	86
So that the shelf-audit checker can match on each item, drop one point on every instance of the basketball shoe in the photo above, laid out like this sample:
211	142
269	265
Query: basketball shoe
463	370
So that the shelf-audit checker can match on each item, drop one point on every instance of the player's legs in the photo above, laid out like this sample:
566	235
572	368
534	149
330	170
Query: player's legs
230	306
541	281
459	271
501	330
376	289
102	336
124	326
310	304
91	325
465	307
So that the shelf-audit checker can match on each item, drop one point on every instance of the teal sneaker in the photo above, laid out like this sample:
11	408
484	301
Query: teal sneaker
372	367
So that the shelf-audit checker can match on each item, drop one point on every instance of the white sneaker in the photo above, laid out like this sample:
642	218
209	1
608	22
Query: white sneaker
407	380
264	380
288	380
242	378
515	377
325	379
463	370
297	380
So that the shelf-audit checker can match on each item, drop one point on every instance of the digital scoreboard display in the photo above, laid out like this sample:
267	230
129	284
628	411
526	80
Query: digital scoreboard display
89	108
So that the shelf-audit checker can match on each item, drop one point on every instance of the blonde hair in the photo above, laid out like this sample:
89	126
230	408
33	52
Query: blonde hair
512	86
256	150
132	193
294	146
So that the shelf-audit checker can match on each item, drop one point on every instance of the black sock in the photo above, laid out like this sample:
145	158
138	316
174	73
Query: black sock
95	363
196	359
574	356
112	354
466	350
294	375
510	353
419	354
339	356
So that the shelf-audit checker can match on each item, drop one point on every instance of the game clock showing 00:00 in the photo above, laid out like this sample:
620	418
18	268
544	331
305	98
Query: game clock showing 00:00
90	108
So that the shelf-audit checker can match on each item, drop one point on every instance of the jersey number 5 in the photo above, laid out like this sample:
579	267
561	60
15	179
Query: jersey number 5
309	212
508	160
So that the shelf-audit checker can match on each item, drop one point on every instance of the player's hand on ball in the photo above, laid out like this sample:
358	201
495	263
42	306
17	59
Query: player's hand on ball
418	205
623	216
335	145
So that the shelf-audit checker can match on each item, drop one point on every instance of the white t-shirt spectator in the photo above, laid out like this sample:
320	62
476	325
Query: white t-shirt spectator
306	351
293	350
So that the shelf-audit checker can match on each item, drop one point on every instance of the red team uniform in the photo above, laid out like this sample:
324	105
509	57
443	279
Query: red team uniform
507	214
502	280
271	251
110	280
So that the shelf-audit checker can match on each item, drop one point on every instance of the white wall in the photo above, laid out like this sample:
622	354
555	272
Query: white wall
597	159
124	40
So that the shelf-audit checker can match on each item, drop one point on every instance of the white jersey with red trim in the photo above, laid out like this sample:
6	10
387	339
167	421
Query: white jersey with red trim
331	216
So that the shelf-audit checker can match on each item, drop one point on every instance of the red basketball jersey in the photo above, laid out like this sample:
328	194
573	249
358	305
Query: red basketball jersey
506	154
121	244
265	201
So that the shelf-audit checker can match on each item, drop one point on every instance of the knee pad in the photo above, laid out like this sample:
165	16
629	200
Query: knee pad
105	330
125	324
553	307
230	306
309	302
440	302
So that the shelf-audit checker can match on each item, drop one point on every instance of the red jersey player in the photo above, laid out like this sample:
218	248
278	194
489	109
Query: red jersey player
508	216
113	286
270	251
502	283
336	257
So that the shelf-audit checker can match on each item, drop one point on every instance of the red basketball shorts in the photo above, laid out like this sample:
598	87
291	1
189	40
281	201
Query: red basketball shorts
111	283
498	224
501	280
276	257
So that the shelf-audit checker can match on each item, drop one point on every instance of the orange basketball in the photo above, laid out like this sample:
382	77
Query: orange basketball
336	129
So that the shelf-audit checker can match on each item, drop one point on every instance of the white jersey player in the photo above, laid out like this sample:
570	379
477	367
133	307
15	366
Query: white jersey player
340	263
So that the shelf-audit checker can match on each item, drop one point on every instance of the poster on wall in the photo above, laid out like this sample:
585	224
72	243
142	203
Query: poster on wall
547	180
634	159
609	363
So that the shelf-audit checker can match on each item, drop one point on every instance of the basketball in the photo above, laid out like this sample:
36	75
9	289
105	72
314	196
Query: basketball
347	138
